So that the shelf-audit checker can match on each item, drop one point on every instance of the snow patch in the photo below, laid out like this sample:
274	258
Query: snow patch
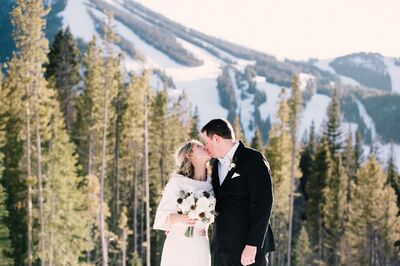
304	78
325	65
200	83
272	91
394	72
315	111
76	17
366	118
383	153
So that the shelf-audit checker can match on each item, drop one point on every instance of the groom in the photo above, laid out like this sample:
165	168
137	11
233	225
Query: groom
241	180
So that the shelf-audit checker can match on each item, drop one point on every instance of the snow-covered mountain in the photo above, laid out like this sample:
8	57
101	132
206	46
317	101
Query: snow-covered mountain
222	79
370	70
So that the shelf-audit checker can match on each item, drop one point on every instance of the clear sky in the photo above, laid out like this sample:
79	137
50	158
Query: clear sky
295	29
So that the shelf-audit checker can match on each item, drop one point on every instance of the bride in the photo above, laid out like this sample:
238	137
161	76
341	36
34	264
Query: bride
191	175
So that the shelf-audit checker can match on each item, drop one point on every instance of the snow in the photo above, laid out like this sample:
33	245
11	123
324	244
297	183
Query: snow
232	77
84	26
200	83
325	65
245	106
383	152
272	91
153	57
346	127
239	63
394	72
364	62
49	2
304	78
315	111
366	118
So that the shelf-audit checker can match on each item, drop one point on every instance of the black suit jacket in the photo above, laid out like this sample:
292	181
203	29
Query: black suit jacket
243	204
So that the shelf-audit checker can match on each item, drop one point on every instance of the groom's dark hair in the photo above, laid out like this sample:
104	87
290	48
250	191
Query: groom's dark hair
220	127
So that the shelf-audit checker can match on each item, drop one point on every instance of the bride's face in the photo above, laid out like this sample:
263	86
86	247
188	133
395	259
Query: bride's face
199	153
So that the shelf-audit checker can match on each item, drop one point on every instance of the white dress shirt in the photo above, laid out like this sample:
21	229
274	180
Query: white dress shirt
225	163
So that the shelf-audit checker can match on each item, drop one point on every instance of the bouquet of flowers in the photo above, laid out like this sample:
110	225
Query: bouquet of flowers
199	206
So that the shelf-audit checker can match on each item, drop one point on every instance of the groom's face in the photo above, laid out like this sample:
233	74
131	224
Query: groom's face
211	144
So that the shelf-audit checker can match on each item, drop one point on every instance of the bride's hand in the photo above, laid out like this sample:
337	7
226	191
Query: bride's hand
180	218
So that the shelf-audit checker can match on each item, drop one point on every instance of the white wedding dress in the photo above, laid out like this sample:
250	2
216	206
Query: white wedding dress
178	249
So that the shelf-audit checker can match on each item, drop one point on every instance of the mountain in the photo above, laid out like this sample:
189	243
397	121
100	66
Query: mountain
370	70
223	79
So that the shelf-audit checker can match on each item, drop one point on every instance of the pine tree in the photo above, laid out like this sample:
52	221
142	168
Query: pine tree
146	178
237	129
67	217
302	251
334	210
88	134
116	125
109	89
306	159
322	169
132	146
295	107
332	128
393	177
123	238
91	192
373	224
13	115
278	155
349	162
87	128
157	162
135	261
29	23
257	142
64	68
194	129
5	243
358	151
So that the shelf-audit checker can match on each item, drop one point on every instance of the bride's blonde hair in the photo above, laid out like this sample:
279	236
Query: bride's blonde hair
184	165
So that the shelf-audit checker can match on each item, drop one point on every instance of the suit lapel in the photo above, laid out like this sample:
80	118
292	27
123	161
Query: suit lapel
215	176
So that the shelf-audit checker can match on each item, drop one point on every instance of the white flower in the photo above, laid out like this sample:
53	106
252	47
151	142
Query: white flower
203	203
194	215
184	207
198	194
199	206
232	165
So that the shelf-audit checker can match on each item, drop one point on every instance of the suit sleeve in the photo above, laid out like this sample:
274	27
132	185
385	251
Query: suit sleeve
259	187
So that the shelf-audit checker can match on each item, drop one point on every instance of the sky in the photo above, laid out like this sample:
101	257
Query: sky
294	29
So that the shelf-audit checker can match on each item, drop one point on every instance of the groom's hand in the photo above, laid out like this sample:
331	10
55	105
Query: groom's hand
248	255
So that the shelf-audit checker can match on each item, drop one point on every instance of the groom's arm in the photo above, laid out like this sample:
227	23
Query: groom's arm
261	199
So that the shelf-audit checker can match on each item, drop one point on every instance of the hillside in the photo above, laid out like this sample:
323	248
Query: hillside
222	79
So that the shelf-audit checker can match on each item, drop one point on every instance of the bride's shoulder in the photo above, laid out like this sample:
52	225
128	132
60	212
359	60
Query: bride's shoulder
175	179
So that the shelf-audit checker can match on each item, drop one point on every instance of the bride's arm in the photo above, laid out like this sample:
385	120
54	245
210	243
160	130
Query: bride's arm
166	206
166	214
175	218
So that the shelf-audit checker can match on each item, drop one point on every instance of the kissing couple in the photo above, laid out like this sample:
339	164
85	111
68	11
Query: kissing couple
222	183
